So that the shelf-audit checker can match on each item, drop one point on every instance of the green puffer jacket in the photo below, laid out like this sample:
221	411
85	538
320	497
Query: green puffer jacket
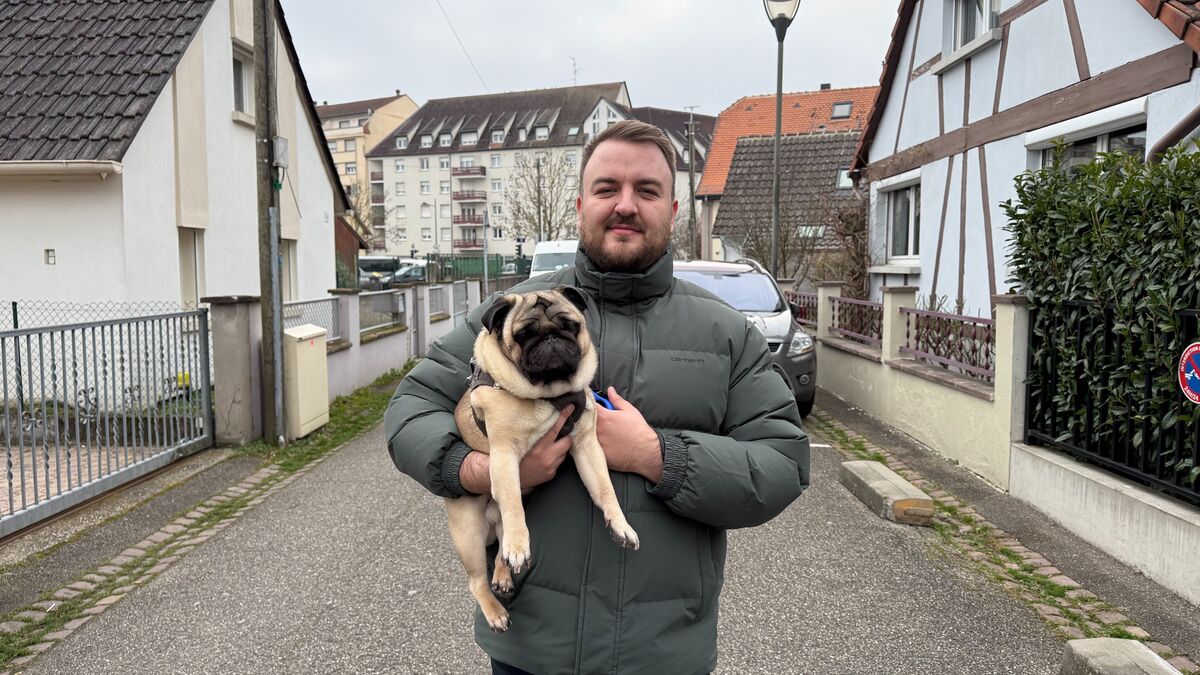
734	456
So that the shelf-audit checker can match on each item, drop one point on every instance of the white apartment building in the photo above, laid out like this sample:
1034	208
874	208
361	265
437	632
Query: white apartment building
438	182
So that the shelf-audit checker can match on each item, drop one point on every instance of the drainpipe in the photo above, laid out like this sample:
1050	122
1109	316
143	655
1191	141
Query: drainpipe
1177	133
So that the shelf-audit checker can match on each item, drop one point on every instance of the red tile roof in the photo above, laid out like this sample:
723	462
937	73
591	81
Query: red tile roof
803	112
1180	16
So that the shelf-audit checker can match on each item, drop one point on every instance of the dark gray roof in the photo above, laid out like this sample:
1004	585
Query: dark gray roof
78	77
808	172
674	123
561	109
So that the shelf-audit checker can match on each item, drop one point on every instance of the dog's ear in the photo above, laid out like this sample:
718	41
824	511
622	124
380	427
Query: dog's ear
493	318
574	296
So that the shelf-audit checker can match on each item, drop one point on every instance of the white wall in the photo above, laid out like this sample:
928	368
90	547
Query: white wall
1040	57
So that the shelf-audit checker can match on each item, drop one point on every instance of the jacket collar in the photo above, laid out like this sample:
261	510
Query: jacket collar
623	287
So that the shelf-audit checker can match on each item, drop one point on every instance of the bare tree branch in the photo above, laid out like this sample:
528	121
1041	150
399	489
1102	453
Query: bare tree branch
540	197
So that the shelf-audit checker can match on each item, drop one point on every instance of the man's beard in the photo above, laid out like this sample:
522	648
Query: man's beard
653	246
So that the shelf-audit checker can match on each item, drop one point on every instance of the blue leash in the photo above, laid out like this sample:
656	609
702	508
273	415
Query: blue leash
602	401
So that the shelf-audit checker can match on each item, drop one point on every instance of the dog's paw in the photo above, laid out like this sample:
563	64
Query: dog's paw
515	554
502	584
624	535
498	621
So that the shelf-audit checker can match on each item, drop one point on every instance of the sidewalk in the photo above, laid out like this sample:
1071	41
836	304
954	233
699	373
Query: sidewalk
350	569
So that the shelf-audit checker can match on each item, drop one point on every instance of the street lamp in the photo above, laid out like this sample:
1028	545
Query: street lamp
780	13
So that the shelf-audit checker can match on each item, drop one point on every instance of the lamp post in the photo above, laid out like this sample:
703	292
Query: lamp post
780	13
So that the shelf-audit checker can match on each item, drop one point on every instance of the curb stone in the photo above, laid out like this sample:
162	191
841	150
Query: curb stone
965	530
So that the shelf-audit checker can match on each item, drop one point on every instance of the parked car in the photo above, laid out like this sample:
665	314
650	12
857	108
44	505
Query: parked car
748	288
409	274
377	270
550	256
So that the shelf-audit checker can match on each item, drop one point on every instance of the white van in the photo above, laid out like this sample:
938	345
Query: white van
550	256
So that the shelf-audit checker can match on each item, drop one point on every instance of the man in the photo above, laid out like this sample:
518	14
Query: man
704	437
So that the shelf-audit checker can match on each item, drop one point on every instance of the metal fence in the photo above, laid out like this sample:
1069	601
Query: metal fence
1085	397
89	406
961	344
380	309
460	302
16	314
323	313
804	308
857	320
438	303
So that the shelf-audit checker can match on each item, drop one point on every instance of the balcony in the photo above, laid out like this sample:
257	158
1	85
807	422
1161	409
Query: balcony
468	171
468	219
377	199
467	244
376	176
470	196
377	221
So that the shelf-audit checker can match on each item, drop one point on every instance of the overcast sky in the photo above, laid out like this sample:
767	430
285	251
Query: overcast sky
671	53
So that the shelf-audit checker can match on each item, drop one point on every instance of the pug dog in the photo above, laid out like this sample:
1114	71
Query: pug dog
533	358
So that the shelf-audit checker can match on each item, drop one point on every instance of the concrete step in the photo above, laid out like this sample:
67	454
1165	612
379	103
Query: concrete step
886	493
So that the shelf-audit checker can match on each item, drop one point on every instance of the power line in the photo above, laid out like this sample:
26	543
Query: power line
464	47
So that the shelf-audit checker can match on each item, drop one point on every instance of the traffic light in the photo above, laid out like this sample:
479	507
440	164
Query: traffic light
519	250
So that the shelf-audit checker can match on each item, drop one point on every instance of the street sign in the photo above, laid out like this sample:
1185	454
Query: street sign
1189	372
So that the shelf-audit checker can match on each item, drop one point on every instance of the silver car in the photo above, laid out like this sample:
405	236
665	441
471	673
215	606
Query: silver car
748	288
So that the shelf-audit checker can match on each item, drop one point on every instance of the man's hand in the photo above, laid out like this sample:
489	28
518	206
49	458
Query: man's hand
629	443
537	466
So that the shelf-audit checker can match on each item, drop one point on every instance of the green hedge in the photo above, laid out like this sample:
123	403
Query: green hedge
1108	255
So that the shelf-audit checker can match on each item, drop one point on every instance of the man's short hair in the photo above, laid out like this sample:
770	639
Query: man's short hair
633	131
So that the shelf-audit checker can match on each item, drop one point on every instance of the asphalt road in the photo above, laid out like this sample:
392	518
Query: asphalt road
350	570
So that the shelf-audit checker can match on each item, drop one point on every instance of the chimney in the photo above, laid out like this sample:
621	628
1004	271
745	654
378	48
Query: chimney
826	86
397	92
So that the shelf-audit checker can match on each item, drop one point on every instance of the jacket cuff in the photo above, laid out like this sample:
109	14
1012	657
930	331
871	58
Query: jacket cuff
674	470
451	465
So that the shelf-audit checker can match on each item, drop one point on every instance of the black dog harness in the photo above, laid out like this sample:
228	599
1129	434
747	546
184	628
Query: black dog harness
480	378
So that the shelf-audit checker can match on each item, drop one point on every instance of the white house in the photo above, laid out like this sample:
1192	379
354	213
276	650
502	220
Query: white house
974	91
127	155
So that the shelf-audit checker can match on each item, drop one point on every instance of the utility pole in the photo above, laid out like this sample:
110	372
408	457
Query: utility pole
695	234
268	222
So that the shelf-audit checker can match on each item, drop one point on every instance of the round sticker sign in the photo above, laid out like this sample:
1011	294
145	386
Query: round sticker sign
1189	372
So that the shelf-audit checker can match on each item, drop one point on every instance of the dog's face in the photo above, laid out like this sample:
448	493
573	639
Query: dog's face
542	333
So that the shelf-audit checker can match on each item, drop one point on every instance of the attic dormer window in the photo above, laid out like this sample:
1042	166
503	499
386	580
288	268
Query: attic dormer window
470	138
841	111
572	131
444	141
401	142
497	136
521	135
426	141
541	133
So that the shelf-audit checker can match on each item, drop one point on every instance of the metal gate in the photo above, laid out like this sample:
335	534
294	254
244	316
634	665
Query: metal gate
87	407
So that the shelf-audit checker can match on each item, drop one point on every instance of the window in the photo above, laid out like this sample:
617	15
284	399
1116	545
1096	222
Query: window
596	115
423	163
350	189
1084	150
401	212
972	18
811	231
571	158
497	210
426	141
443	163
572	131
445	234
497	233
841	111
498	136
611	115
243	81
399	166
332	145
444	141
400	189
466	161
572	181
444	187
424	187
904	222
497	185
402	233
444	211
362	121
343	124
351	145
843	179
521	135
496	161
541	133
686	156
595	128
351	168
401	142
470	138
426	211
426	234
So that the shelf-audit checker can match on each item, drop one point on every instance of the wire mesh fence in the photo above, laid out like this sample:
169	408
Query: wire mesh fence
88	403
438	302
323	313
382	308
